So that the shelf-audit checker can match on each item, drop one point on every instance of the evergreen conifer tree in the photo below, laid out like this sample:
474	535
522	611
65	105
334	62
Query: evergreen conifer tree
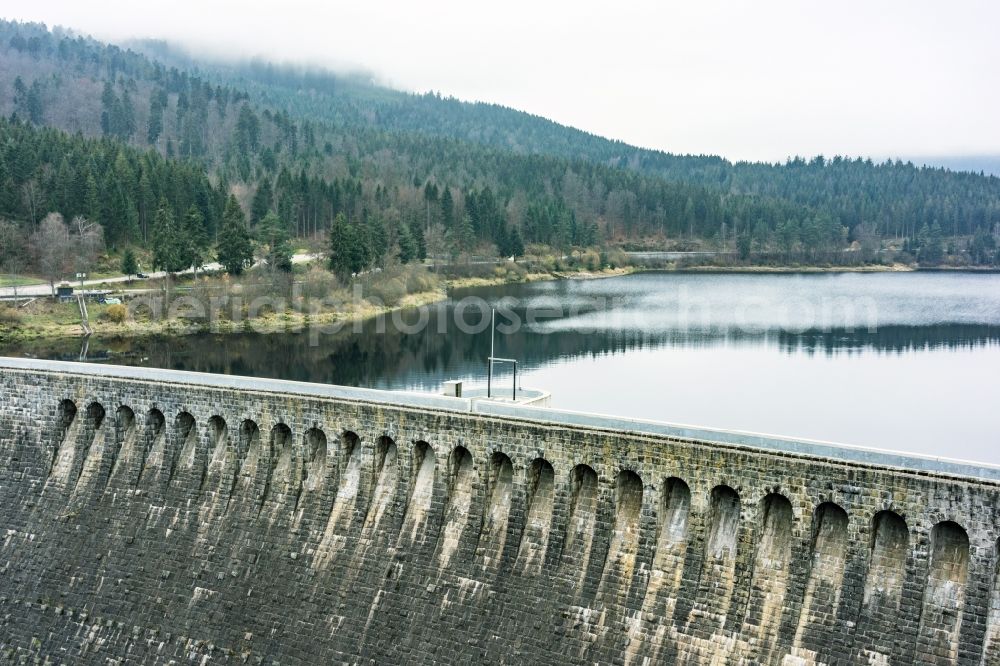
234	246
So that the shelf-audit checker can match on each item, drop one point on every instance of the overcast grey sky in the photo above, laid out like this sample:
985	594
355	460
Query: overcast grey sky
761	79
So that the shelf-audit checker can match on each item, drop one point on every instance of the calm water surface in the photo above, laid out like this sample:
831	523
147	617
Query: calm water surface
906	361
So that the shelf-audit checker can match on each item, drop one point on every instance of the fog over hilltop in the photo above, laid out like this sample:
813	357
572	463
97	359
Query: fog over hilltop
759	81
243	67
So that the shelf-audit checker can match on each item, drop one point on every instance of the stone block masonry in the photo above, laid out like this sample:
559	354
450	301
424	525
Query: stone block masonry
153	517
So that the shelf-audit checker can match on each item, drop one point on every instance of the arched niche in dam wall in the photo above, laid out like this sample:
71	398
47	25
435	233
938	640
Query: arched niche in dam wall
580	524
283	476
717	579
126	442
316	476
96	454
671	548
351	475
620	563
95	415
152	454
188	461
338	523
221	458
829	549
255	460
883	592
314	468
386	480
651	635
250	460
771	573
65	433
421	497
944	596
496	516
538	517
461	485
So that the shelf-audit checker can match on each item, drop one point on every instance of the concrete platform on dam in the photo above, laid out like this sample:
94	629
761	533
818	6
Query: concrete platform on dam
525	397
161	517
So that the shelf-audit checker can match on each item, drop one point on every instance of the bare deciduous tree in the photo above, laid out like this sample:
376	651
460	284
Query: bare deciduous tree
62	249
87	242
51	244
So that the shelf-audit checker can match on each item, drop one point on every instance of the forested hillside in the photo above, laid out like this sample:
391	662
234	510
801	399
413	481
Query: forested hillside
896	198
309	146
103	180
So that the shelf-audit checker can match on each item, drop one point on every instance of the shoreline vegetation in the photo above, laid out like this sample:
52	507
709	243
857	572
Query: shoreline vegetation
258	305
290	306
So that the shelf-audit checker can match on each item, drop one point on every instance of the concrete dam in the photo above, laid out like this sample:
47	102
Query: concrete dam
160	517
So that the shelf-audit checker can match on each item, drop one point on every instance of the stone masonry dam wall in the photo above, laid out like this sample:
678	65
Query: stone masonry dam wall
151	517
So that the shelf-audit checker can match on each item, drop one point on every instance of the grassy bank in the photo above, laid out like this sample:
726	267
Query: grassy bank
18	281
535	276
260	303
48	319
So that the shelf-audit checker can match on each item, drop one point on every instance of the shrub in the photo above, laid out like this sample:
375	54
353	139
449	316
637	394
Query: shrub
510	272
116	313
548	263
418	279
389	292
390	285
319	283
617	258
591	260
10	316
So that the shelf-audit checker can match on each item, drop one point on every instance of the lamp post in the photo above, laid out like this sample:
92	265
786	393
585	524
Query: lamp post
494	359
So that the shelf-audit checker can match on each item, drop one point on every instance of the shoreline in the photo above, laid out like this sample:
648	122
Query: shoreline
873	268
283	322
866	268
296	321
540	276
